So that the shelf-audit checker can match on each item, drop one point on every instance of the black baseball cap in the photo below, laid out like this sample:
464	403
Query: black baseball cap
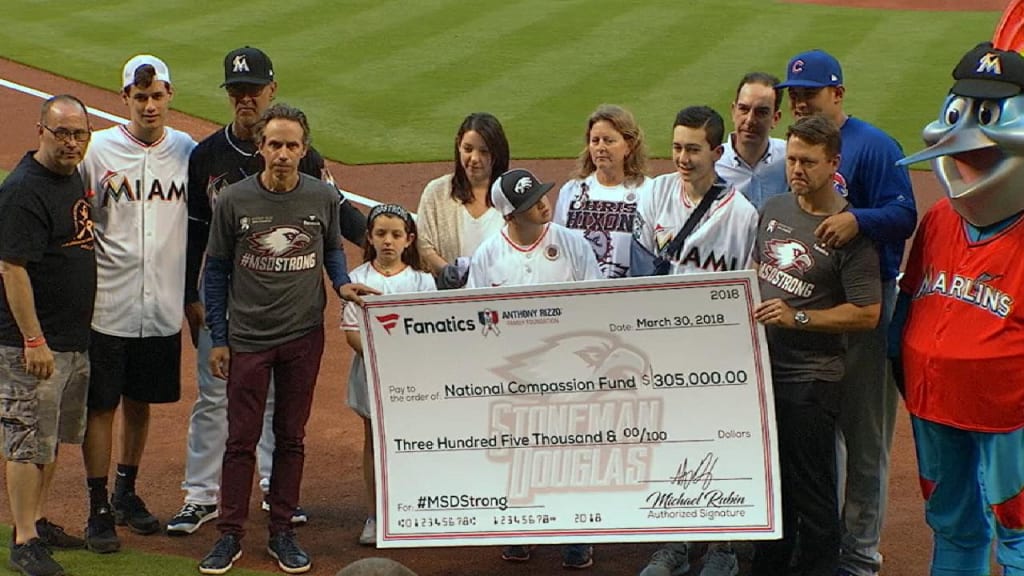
986	72
517	190
247	66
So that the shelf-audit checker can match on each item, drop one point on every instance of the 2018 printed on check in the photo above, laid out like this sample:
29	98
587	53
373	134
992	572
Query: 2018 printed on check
607	411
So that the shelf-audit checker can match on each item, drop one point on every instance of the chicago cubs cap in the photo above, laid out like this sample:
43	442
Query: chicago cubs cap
986	72
248	66
128	72
813	69
517	190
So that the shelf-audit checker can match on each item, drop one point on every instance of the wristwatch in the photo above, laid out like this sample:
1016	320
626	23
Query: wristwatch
801	317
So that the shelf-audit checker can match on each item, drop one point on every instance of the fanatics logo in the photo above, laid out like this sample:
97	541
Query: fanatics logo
388	321
279	241
788	254
239	64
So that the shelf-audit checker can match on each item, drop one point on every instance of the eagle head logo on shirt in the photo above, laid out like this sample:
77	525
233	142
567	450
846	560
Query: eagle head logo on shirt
788	254
279	241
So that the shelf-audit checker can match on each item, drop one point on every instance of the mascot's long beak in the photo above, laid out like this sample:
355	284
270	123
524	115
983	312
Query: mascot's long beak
963	138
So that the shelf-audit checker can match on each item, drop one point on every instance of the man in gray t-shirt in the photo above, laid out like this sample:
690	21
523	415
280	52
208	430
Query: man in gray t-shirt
812	294
272	234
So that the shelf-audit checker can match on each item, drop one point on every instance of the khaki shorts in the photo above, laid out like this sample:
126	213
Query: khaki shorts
35	415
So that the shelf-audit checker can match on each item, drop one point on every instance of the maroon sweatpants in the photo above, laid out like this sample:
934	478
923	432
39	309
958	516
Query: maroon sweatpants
295	366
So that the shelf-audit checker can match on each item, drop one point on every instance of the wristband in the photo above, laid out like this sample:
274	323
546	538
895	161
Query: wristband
35	341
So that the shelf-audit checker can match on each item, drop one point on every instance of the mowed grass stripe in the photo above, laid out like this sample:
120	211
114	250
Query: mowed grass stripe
389	81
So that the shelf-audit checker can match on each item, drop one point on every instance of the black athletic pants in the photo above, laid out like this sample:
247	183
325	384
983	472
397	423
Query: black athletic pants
805	413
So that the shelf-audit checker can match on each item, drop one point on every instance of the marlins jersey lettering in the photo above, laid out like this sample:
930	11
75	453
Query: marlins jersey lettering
721	241
964	321
559	255
604	215
138	196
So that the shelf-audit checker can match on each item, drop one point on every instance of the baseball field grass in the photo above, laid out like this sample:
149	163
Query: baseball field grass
389	80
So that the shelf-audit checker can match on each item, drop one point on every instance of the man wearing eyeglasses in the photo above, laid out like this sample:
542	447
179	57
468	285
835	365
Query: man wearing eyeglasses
225	157
883	209
137	175
49	286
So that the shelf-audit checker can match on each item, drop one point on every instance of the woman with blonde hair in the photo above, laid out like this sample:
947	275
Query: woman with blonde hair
611	174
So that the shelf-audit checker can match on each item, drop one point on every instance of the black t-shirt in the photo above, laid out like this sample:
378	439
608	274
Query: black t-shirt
45	221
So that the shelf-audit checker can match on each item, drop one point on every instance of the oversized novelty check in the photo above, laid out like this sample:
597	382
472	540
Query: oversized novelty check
607	411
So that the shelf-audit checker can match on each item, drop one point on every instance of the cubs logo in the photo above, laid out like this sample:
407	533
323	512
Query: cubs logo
839	182
798	66
279	241
788	254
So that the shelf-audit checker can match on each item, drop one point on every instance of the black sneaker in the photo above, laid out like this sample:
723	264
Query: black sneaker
130	510
33	559
190	518
289	555
100	534
54	536
225	553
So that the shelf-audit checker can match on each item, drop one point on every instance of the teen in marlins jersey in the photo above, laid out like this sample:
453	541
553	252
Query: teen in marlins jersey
137	175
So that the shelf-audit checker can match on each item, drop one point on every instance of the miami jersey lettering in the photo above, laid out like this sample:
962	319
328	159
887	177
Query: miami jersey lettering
138	200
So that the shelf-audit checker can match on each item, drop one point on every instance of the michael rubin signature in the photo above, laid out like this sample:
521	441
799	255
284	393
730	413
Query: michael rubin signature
703	475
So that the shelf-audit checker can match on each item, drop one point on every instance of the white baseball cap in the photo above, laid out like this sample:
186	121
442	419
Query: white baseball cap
128	73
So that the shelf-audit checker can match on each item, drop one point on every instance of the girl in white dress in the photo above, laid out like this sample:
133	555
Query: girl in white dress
391	264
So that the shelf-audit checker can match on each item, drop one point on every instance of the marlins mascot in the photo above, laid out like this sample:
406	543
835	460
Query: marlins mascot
961	312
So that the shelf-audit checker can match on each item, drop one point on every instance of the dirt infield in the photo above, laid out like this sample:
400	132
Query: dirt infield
332	489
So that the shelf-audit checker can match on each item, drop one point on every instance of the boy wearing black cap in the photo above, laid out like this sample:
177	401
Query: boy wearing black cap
530	249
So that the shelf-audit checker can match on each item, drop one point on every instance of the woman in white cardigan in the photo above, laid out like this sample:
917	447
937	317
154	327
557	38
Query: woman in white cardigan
455	211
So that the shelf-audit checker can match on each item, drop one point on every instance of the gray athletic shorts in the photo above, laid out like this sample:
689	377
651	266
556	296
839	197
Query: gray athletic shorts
36	415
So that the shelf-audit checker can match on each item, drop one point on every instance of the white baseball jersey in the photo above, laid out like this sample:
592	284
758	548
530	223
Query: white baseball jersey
722	240
138	195
408	280
604	216
559	255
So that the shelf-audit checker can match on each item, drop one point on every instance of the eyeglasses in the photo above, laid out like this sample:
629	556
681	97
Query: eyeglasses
65	135
243	90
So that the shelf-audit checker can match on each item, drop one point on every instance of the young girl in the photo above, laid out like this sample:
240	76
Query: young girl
391	264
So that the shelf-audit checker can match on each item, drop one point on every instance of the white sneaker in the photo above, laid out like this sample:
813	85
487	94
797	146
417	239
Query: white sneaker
368	537
720	561
671	560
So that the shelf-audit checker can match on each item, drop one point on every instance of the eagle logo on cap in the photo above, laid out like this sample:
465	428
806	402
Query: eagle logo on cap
523	184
